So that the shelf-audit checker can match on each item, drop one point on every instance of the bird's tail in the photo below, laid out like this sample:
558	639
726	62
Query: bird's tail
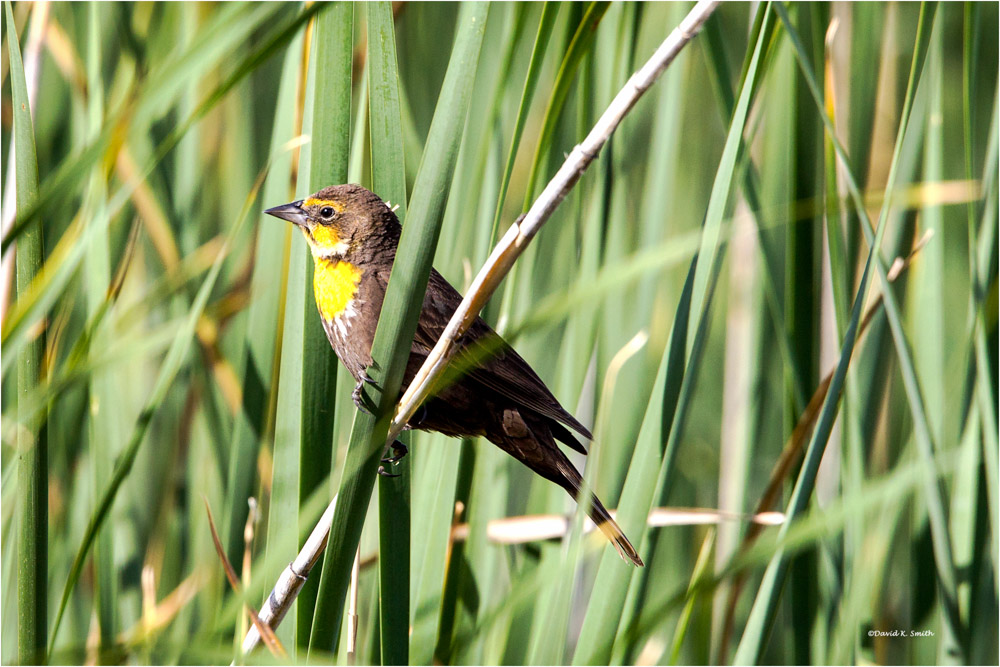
533	445
602	519
600	515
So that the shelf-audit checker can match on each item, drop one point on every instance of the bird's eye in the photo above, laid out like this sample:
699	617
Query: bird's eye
326	212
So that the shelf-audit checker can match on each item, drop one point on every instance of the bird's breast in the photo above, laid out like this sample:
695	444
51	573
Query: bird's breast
335	285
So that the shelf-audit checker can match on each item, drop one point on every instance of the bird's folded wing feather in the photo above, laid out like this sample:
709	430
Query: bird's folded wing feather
504	372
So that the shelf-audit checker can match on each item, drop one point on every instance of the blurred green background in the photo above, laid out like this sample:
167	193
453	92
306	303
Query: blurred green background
687	300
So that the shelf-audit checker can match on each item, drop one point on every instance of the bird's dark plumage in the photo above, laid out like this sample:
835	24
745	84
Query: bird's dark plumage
353	236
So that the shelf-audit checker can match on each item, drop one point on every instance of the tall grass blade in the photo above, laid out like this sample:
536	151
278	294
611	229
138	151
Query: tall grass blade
803	267
979	249
399	318
545	24
329	152
389	182
104	430
656	448
251	426
284	507
32	448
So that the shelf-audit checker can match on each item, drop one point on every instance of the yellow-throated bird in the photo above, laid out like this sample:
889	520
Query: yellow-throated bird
353	237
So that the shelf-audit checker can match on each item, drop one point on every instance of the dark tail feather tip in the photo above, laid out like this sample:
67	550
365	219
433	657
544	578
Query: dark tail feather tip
601	517
624	547
617	538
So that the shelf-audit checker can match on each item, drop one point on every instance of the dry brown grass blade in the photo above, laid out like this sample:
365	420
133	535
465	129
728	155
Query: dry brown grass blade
150	211
222	370
60	47
164	611
157	615
118	280
266	633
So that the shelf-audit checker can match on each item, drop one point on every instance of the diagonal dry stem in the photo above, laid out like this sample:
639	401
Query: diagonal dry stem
499	263
524	228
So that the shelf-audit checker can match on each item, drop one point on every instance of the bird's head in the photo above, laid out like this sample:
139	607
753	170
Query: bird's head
340	219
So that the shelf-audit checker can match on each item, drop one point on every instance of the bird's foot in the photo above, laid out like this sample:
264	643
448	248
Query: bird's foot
359	398
362	402
399	450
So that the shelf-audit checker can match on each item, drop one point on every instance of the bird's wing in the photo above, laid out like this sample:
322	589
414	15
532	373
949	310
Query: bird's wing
505	372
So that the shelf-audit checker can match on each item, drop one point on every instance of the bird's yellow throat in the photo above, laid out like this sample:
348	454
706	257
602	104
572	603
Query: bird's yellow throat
335	284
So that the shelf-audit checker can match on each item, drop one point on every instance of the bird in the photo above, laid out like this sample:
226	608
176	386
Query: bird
353	237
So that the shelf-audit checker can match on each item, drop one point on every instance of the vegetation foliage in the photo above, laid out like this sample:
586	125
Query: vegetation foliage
774	291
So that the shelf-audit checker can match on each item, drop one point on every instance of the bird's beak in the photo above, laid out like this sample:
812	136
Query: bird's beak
291	212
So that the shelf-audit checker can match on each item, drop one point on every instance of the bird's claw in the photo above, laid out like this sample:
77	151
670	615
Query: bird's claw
362	402
359	398
399	450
